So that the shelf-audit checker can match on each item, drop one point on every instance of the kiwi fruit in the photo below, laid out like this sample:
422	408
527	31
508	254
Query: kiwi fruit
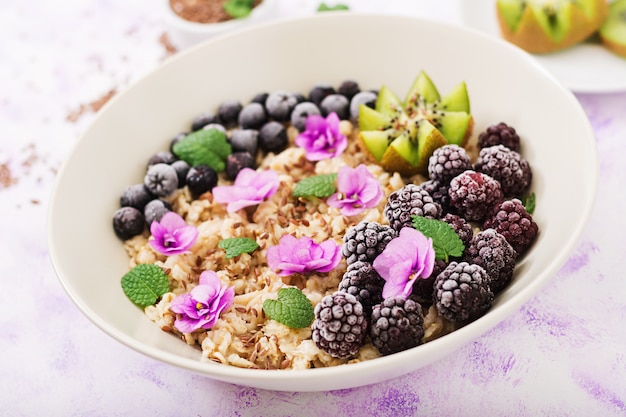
613	30
401	135
545	26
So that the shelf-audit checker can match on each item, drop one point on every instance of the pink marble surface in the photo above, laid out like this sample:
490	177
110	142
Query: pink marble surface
562	354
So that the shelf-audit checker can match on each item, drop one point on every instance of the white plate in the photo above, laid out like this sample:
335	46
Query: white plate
295	55
584	68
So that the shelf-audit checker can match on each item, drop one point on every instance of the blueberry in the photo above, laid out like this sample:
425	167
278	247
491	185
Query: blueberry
273	137
200	179
252	116
279	105
161	157
228	112
128	222
155	209
245	140
237	161
217	126
319	91
202	120
161	179
349	89
367	98
260	98
136	195
301	112
299	97
177	139
336	103
181	167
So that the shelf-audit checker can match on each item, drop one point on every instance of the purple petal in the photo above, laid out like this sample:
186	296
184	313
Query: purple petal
172	221
245	177
186	237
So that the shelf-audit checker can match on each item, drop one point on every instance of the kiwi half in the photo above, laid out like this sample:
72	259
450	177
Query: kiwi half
544	26
613	30
402	134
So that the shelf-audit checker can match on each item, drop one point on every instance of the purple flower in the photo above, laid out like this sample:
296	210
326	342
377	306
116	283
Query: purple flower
293	255
407	257
172	235
357	190
202	306
322	138
249	189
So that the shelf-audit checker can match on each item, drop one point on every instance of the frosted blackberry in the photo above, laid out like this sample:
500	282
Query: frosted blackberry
439	192
447	162
490	250
182	168
474	194
200	179
512	221
462	292
362	281
506	166
340	325
460	226
128	222
397	324
365	241
499	134
410	200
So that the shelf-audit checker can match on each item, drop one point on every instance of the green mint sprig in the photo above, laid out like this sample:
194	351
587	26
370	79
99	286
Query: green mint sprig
145	284
204	147
320	186
446	241
238	8
529	203
323	7
235	246
292	308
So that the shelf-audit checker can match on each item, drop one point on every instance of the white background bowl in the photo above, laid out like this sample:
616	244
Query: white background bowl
504	85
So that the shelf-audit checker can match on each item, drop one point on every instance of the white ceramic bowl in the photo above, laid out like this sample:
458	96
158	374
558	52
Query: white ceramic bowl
504	83
184	33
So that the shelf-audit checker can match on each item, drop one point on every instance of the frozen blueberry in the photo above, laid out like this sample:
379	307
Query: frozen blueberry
319	91
279	105
161	179
237	161
367	98
202	120
155	209
161	157
228	112
336	103
260	98
217	126
177	139
252	116
273	137
245	140
136	195
181	167
349	89
200	179
128	222
301	112
299	97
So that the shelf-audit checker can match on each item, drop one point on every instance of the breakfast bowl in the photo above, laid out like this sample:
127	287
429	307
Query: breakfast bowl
504	85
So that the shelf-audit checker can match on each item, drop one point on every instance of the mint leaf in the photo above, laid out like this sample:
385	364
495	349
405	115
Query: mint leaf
204	147
292	308
446	241
323	7
321	186
235	246
529	203
238	8
145	284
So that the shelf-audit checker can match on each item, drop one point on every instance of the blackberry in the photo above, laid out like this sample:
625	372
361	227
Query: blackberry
136	195
499	134
490	250
362	281
200	179
340	325
161	179
410	200
128	222
474	194
260	98
217	126
460	226
365	241
506	166
397	324
462	292
512	221
439	192
447	162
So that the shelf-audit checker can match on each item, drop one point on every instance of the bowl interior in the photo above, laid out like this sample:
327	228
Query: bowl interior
504	85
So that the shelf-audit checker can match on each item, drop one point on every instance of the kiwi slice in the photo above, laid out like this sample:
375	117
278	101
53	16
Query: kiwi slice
613	30
402	134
